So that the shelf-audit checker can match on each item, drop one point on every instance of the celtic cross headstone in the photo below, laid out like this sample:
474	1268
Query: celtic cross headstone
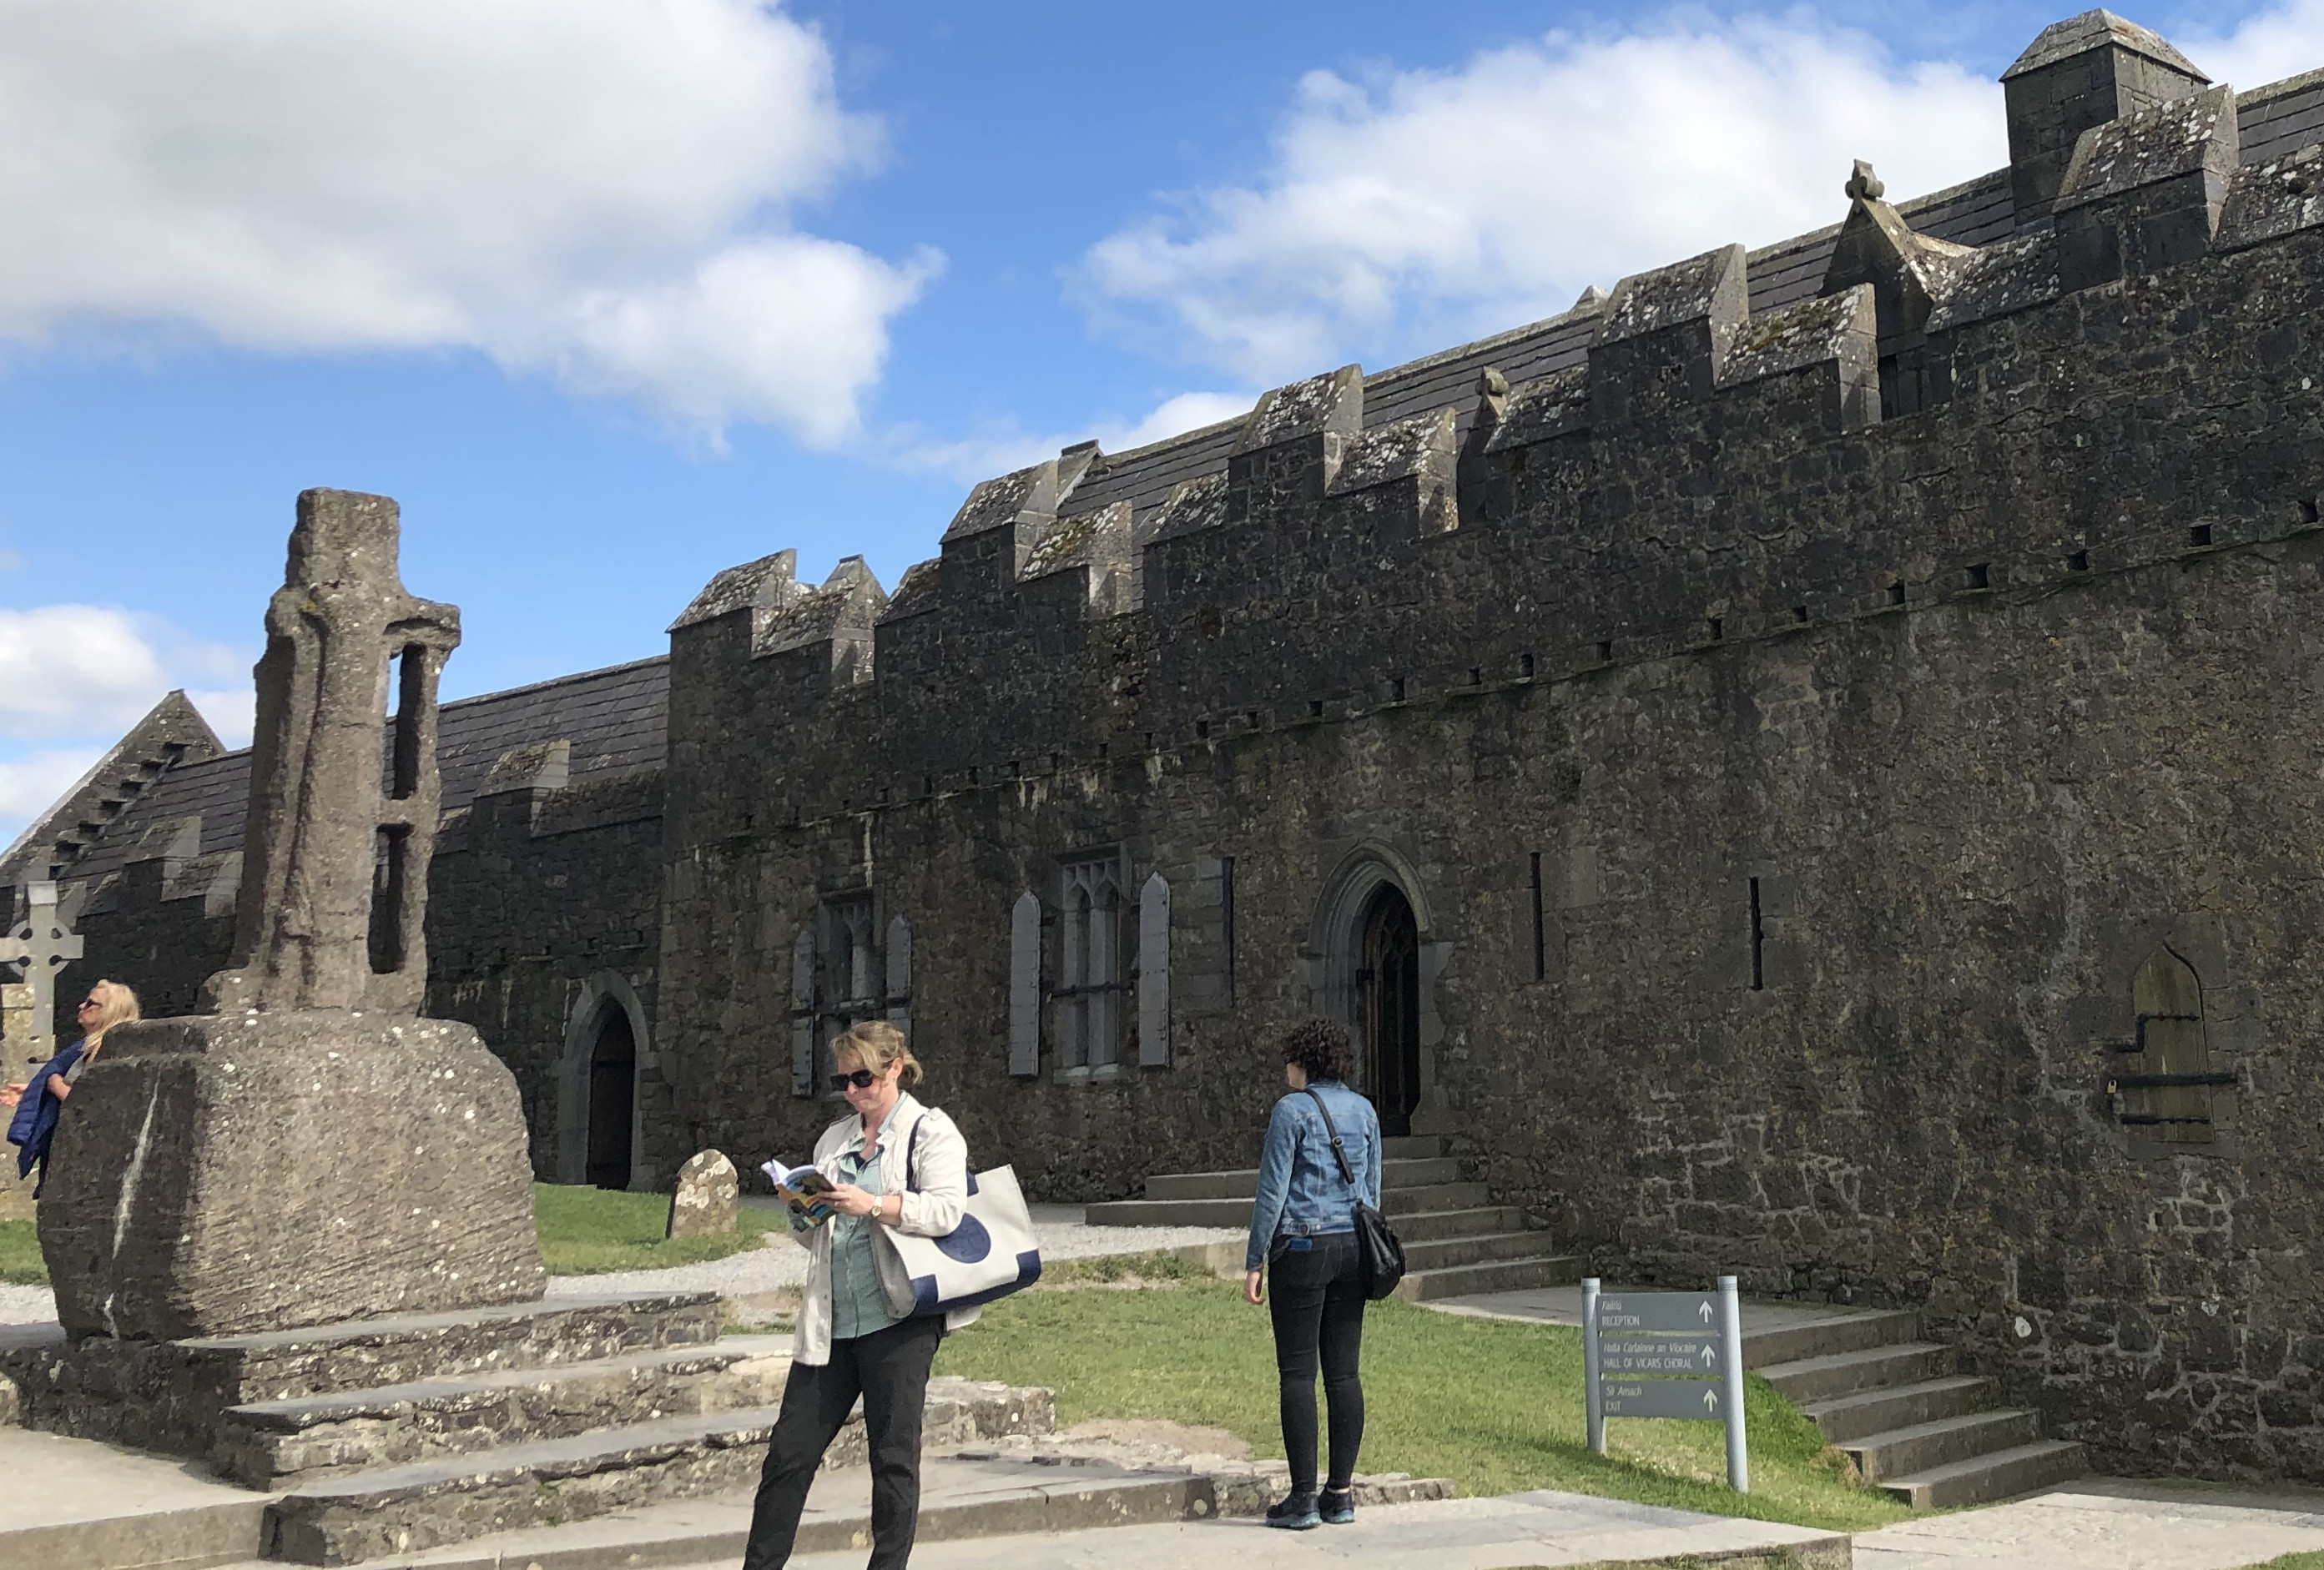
41	945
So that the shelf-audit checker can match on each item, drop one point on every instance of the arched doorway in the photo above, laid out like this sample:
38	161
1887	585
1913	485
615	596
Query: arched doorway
1388	988
613	1099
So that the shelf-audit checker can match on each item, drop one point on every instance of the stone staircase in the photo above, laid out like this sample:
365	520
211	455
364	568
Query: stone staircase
1933	1437
1456	1240
401	1434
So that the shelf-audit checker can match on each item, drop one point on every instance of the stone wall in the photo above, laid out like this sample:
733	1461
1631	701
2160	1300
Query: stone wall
1865	760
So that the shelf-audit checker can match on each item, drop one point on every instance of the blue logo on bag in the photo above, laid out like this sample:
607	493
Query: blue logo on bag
967	1242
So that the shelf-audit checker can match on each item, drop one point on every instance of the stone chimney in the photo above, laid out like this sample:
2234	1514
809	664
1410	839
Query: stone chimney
2083	71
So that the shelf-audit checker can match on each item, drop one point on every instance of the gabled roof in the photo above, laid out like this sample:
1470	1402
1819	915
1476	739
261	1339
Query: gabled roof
616	719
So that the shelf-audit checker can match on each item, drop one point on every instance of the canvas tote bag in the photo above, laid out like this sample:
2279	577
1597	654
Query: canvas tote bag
991	1253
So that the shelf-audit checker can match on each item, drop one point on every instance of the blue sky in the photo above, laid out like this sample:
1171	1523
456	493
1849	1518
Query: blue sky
612	294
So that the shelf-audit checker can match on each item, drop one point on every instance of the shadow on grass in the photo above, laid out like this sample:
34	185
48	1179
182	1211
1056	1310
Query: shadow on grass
21	1264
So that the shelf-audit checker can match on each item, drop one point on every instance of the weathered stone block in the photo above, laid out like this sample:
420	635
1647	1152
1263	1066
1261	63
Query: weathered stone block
704	1205
221	1174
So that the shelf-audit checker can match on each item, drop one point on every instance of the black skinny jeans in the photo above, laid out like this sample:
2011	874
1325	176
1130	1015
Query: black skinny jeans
890	1370
1316	1297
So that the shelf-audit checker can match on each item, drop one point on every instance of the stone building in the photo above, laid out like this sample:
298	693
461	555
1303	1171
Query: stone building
1795	767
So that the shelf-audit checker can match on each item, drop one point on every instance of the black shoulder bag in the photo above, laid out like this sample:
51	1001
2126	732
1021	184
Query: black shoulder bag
1382	1255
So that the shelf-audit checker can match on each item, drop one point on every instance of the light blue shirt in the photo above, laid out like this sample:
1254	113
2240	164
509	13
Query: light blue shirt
1301	1193
859	1303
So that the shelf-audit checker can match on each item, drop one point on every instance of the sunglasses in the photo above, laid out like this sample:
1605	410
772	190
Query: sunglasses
863	1079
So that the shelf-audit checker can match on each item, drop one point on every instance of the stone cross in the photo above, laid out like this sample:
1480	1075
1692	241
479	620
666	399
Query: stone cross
41	945
335	872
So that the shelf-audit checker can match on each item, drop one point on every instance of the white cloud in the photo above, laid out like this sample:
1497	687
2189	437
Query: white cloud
89	672
1006	449
1423	207
31	785
595	189
2269	46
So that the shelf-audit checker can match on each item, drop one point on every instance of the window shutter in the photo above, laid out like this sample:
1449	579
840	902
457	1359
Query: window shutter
899	976
1025	986
1154	973
803	1012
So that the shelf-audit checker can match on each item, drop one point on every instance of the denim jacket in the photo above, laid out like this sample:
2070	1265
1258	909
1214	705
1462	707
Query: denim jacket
1301	1193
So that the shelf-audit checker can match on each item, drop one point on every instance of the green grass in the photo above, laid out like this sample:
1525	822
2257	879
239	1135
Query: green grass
587	1232
2309	1559
21	1264
1494	1405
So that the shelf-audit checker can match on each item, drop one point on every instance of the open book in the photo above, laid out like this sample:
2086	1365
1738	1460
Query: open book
802	1189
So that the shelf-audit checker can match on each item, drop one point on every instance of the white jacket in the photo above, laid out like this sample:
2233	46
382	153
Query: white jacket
939	1162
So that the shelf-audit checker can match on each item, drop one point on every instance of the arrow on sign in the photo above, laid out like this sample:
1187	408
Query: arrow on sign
1709	1357
1705	1311
1710	1400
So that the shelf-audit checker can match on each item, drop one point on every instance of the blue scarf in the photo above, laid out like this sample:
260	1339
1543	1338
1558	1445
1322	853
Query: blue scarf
35	1123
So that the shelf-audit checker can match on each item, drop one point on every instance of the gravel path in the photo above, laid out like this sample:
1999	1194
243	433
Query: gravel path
780	1264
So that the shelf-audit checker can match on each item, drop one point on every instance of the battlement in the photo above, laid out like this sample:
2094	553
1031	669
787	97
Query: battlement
1865	417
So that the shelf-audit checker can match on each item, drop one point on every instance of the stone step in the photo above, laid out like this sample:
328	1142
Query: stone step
1429	1226
1434	1198
1507	1275
1982	1479
1840	1373
959	1500
1829	1334
288	1443
451	1500
192	1537
1852	1416
170	1395
1941	1441
1243	1185
1422	1255
1428	1204
1169	1213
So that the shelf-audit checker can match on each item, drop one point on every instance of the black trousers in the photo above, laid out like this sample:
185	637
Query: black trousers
890	1370
1316	1297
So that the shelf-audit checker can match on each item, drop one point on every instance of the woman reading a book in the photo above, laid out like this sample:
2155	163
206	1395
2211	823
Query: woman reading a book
890	1164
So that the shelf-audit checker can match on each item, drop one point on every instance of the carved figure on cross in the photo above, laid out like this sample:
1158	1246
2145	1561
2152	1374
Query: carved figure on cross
41	945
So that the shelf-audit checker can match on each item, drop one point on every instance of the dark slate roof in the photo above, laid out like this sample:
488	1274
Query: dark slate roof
615	719
2272	121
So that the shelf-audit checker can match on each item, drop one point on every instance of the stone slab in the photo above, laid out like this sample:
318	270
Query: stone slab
2100	1523
242	1173
74	1504
1523	1529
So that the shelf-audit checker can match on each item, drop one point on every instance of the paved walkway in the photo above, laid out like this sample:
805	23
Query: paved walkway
1455	1534
2109	1523
1563	1306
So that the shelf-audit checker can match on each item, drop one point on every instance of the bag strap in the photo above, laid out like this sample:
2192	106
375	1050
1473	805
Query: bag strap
911	1155
1339	1149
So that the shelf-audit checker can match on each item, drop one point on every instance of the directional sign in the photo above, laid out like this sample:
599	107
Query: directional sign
1662	1398
1658	1354
1628	1313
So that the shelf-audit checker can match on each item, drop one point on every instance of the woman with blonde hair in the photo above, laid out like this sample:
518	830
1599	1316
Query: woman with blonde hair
39	1099
893	1163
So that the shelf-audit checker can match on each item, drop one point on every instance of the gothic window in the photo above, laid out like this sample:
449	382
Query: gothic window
837	978
1091	970
2162	1080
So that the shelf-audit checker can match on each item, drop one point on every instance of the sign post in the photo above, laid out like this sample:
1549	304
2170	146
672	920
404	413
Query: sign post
1666	1355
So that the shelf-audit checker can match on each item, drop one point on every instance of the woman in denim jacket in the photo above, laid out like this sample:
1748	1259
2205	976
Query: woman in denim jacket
1303	1231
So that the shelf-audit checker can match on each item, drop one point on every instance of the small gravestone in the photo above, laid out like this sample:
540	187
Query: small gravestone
16	1016
705	1203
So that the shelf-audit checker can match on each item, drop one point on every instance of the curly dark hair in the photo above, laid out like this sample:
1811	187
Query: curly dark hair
1320	1046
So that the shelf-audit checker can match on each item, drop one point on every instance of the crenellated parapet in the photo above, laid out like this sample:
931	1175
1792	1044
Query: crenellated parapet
1928	399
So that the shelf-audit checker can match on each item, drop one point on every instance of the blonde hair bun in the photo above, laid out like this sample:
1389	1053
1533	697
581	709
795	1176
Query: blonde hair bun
874	1044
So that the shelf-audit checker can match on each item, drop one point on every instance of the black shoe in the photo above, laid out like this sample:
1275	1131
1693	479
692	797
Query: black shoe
1294	1514
1336	1507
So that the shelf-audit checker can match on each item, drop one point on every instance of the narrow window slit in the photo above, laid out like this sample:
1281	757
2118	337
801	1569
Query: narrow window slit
2200	534
1227	919
1525	664
1540	935
1759	943
1314	708
1897	592
1605	650
2078	561
1980	575
1718	629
